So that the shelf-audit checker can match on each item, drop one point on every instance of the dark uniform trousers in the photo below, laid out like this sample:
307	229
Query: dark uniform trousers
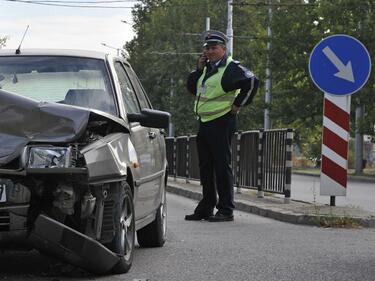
214	141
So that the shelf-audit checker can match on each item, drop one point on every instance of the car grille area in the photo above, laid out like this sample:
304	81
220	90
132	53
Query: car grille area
4	221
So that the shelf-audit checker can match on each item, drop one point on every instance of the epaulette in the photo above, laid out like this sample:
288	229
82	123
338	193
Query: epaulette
247	72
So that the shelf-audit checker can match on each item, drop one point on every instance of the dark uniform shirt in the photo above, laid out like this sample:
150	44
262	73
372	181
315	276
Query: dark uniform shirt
235	77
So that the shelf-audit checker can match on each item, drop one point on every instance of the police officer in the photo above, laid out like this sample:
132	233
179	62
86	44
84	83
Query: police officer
221	87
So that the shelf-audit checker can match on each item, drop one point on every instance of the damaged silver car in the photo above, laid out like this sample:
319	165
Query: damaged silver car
82	159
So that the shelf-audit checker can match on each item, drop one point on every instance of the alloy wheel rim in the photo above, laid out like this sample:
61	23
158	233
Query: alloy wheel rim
127	228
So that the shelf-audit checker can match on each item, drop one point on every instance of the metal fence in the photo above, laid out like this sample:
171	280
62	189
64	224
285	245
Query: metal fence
261	160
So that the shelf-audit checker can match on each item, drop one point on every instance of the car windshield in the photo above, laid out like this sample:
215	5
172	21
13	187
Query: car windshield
68	80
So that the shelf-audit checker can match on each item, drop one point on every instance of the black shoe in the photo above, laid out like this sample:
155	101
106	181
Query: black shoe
220	217
197	217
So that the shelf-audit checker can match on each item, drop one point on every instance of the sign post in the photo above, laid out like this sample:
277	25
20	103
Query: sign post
339	65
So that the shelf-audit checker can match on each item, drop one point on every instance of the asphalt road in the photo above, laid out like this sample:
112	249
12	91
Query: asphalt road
250	248
359	194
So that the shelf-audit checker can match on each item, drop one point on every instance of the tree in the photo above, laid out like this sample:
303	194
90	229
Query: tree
355	18
3	41
166	49
297	103
297	27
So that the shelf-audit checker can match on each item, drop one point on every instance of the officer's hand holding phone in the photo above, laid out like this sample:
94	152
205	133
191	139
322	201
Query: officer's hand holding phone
202	61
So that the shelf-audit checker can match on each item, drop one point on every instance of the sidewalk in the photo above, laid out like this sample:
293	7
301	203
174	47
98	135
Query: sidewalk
296	212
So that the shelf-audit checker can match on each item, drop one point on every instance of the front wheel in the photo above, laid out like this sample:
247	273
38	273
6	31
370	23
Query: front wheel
154	234
124	228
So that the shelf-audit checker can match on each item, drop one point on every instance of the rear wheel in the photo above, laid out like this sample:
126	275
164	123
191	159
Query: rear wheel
124	228
154	234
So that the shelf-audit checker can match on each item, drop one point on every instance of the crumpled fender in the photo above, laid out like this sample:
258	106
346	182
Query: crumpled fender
109	157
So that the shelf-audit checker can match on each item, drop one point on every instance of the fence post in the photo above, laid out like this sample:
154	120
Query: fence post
174	158
289	164
187	158
238	150
260	193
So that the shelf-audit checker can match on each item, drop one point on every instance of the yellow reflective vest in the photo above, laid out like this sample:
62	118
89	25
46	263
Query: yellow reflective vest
211	100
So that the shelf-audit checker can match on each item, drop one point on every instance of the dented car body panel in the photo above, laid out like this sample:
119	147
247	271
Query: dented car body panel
67	152
108	157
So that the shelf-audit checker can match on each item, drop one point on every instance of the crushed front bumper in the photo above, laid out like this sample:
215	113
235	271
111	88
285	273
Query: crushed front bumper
71	246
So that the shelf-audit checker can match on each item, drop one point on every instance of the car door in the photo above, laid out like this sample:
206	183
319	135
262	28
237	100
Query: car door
158	143
143	141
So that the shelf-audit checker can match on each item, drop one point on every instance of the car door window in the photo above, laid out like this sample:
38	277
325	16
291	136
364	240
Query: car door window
128	93
142	98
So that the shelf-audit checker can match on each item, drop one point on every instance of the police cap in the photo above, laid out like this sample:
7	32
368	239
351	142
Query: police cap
214	37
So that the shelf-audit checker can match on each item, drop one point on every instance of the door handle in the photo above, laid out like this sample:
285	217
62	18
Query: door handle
151	135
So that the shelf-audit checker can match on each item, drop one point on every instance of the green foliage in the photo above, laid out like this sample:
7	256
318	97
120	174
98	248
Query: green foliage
355	18
167	45
3	41
296	102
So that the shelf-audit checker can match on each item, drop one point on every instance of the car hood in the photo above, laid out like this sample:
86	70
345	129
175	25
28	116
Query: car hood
24	120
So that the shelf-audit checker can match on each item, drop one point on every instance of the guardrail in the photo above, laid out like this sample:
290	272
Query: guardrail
261	160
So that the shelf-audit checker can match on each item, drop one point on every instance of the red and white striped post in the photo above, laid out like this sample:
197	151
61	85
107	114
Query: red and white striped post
335	142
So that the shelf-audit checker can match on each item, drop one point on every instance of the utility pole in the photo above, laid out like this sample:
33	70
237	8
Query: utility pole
230	27
171	94
268	84
111	47
359	111
358	141
268	95
207	24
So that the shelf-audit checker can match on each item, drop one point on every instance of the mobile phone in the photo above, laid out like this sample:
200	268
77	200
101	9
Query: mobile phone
205	58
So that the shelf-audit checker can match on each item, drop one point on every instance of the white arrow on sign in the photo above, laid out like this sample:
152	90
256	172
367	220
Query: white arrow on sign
345	71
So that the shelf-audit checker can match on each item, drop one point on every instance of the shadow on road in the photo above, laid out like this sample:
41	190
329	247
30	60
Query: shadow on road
19	265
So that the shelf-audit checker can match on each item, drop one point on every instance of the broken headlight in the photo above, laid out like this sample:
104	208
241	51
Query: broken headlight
50	157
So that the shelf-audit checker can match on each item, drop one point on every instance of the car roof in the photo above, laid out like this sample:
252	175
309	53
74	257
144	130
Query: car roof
55	52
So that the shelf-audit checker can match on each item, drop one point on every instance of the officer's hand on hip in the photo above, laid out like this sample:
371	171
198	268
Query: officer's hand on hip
235	109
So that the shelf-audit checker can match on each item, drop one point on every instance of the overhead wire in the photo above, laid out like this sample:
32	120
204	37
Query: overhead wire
80	3
62	3
267	4
86	2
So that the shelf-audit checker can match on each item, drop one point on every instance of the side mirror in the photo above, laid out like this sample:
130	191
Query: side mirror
151	118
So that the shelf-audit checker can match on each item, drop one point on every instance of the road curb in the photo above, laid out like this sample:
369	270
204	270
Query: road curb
277	213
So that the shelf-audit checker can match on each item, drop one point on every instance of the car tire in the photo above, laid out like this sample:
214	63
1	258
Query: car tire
124	228
155	233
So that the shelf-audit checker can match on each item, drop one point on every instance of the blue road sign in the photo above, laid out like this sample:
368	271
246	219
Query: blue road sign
340	65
